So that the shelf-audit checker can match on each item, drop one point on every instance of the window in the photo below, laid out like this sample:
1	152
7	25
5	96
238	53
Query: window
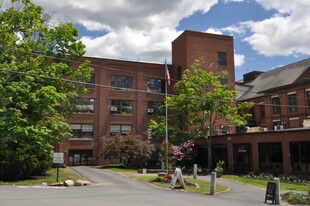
300	156
153	136
270	156
84	105
224	129
91	81
308	98
153	108
82	130
292	102
123	107
156	85
276	108
121	82
179	72
262	110
222	58
123	129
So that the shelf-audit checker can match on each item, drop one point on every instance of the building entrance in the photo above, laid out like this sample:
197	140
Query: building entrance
242	158
80	157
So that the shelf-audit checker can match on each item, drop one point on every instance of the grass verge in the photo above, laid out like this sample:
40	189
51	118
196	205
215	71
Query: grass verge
263	183
49	178
204	187
117	168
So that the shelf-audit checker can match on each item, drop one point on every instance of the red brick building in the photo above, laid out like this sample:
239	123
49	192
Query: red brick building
128	94
277	137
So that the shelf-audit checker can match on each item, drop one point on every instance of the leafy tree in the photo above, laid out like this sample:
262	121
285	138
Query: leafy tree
33	110
201	101
127	148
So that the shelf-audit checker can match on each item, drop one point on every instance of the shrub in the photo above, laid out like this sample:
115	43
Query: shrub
127	148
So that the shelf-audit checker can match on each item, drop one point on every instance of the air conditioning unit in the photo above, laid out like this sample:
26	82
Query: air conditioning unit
278	127
113	109
150	110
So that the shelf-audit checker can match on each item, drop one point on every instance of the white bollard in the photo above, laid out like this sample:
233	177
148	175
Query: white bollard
195	171
277	194
213	183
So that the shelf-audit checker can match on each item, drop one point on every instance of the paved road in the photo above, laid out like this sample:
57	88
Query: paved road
115	190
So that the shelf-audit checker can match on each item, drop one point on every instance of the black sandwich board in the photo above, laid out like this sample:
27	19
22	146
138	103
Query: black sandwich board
271	192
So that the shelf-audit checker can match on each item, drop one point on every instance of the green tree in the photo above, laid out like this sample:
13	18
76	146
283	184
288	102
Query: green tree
33	110
127	148
202	100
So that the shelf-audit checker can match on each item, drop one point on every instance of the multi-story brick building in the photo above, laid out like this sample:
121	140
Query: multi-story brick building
128	94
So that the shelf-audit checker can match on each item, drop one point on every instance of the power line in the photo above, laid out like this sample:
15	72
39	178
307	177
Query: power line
141	91
120	70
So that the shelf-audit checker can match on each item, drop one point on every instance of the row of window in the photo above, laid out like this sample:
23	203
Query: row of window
126	83
87	130
121	107
276	104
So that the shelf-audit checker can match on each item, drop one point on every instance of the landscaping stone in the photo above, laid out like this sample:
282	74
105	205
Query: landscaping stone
68	183
81	183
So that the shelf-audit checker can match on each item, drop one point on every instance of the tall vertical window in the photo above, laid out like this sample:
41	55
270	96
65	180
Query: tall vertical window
122	129
276	108
222	58
262	110
153	108
82	130
300	156
91	81
121	82
156	85
179	72
308	98
292	102
84	105
123	107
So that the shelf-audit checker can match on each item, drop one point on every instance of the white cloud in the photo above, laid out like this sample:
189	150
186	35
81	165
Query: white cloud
137	29
214	31
285	33
239	59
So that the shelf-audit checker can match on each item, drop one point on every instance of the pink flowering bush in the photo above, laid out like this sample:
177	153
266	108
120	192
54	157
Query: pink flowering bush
184	152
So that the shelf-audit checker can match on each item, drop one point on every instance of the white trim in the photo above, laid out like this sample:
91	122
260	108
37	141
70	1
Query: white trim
307	90
293	118
291	93
274	96
276	120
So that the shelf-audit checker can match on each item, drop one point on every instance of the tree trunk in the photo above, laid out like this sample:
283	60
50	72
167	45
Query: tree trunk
209	152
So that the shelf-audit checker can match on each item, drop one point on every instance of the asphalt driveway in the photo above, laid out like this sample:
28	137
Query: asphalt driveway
116	190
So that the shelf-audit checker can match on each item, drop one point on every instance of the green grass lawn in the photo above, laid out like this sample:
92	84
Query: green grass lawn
263	183
204	186
49	178
117	168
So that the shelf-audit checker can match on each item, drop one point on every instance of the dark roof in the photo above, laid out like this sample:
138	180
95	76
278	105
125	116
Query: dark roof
279	77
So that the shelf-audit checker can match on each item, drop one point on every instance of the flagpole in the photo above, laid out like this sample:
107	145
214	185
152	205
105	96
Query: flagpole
166	89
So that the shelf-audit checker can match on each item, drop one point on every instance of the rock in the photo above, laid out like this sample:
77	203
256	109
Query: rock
68	183
44	184
81	183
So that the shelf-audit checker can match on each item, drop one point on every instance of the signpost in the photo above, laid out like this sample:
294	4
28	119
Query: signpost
58	158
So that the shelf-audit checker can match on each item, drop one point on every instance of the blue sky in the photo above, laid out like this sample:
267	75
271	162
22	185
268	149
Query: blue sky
267	33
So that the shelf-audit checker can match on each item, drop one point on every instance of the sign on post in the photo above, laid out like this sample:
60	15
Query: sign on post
177	175
58	158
